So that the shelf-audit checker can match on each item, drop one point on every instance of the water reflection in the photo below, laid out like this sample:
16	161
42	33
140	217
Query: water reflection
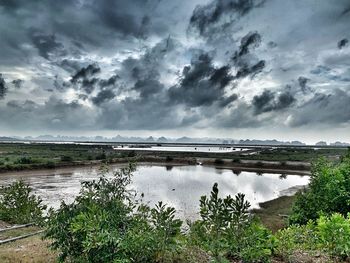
179	186
169	167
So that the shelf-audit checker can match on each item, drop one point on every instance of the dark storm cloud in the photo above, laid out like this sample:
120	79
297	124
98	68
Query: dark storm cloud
206	16
202	83
329	108
148	87
3	88
269	101
252	39
109	82
302	83
54	114
103	96
84	78
343	43
154	72
126	17
46	44
246	64
247	70
85	72
17	83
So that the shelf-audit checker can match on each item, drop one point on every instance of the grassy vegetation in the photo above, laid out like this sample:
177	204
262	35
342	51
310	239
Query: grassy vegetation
18	232
18	156
300	154
29	250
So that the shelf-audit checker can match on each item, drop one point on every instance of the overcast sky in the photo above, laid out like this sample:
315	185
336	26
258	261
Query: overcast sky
221	68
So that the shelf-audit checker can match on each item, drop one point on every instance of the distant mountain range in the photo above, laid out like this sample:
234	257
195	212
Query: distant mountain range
162	139
8	139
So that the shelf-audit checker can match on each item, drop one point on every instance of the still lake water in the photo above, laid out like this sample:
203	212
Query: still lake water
178	186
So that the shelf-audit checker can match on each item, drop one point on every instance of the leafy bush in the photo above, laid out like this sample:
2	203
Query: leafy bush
328	192
19	206
169	159
219	161
330	234
101	156
296	238
334	234
24	160
106	223
236	160
226	229
66	158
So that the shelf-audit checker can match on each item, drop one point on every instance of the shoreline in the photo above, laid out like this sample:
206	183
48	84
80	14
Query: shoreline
296	168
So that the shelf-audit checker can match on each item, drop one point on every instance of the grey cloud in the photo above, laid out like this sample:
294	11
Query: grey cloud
246	70
47	45
343	43
148	87
268	101
252	39
205	17
323	109
180	81
302	83
84	78
202	83
240	116
55	114
17	83
247	64
85	72
3	88
103	96
109	82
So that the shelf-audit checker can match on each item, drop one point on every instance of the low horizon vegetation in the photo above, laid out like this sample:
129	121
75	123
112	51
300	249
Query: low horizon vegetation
20	156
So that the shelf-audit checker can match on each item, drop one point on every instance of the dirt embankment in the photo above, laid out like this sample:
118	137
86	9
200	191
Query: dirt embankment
300	168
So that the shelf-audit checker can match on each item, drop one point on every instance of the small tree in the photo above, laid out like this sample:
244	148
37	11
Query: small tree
18	205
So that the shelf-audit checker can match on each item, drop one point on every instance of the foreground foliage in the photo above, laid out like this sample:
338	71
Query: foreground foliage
19	206
108	222
328	192
329	234
227	230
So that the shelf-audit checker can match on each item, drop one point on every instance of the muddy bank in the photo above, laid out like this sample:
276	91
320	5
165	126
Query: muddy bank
298	168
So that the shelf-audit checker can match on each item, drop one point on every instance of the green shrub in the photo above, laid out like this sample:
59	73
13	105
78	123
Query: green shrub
259	164
24	160
330	234
19	206
334	234
106	223
101	156
131	153
169	159
50	164
219	161
236	160
296	238
255	244
328	192
227	230
66	158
